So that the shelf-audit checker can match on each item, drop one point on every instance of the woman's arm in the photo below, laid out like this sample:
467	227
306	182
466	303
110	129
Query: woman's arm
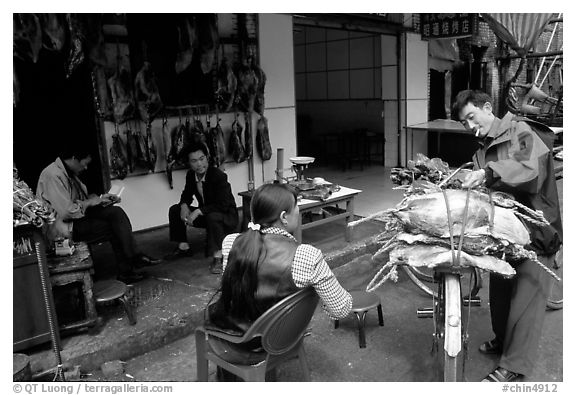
310	269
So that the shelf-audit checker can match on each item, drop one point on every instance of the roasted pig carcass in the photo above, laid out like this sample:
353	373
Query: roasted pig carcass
263	139
208	40
235	145
147	93
216	145
122	97
187	41
118	161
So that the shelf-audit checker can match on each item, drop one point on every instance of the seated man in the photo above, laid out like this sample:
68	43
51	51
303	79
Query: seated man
85	217
216	209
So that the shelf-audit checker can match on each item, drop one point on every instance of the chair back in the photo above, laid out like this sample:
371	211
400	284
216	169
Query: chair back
282	325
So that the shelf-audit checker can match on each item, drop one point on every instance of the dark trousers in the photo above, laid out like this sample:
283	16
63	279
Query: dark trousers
517	308
110	223
217	226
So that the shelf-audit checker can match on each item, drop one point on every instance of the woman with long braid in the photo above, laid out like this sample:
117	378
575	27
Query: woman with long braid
265	264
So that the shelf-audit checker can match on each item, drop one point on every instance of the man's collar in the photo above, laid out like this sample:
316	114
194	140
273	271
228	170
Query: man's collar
200	179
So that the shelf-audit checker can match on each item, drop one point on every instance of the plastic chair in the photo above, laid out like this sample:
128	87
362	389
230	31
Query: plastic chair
281	330
363	301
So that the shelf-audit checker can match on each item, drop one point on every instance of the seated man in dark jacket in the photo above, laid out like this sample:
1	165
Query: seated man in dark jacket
216	208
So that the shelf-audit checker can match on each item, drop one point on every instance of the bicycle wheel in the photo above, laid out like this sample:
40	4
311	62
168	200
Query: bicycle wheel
453	356
556	295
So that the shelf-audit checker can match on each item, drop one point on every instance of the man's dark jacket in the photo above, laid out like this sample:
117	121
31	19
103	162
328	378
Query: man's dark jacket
518	161
217	193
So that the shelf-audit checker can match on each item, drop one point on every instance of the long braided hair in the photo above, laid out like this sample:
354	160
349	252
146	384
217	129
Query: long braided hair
240	279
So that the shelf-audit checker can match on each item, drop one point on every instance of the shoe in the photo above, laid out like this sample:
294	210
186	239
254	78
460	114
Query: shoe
501	375
143	260
216	266
178	253
491	347
130	277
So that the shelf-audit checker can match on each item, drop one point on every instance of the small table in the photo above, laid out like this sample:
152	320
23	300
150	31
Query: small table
344	195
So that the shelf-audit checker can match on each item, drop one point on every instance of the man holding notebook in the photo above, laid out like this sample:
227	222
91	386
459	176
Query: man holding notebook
85	217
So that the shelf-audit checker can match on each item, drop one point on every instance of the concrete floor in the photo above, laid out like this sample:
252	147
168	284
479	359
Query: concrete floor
397	352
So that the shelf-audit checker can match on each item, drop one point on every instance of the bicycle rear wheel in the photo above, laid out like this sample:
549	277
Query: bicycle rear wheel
422	276
556	296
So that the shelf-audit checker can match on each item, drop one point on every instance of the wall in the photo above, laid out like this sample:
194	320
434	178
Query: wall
147	198
414	94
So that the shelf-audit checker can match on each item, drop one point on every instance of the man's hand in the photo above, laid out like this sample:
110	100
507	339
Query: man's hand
184	212
192	217
108	199
474	178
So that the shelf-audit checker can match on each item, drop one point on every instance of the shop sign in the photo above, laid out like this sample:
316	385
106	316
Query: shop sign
446	25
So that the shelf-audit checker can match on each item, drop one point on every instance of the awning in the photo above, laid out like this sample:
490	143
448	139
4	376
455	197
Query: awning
519	31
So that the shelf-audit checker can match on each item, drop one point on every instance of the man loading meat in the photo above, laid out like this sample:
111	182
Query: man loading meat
513	158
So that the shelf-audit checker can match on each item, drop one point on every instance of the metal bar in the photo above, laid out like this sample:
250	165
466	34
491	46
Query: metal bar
533	55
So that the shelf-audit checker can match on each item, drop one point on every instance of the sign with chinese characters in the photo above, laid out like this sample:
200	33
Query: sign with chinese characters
447	25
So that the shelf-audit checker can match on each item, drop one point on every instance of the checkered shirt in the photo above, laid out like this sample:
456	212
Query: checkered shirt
309	268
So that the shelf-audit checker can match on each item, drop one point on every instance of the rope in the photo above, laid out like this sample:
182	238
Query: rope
393	274
547	270
450	227
537	214
532	220
361	220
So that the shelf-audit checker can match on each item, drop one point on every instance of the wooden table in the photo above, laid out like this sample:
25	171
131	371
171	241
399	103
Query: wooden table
344	195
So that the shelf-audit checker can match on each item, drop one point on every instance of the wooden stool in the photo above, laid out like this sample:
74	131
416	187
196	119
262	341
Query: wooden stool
76	268
110	290
363	301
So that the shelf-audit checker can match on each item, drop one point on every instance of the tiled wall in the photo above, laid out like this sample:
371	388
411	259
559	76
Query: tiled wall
345	81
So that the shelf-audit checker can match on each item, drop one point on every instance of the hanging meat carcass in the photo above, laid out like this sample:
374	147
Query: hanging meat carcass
263	139
235	143
260	86
179	141
197	132
76	55
246	87
132	149
147	93
102	97
151	154
122	98
118	161
208	40
227	84
54	29
248	150
187	41
27	36
86	37
216	145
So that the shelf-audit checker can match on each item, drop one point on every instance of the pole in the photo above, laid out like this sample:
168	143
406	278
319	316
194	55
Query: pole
279	164
547	48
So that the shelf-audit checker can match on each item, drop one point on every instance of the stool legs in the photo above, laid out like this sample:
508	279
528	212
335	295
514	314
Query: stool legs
380	315
129	310
361	319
